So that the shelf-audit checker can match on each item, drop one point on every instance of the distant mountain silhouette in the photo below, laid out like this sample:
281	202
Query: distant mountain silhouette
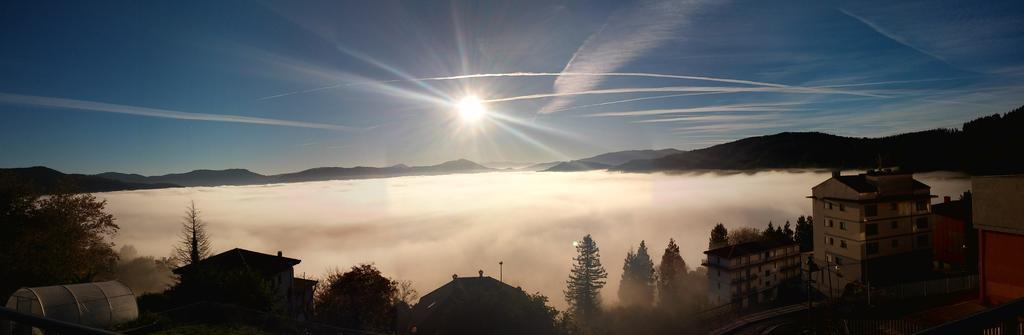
988	145
577	165
46	180
608	160
540	166
195	178
246	177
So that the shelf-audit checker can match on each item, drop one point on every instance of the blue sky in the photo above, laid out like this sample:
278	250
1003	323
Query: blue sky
159	86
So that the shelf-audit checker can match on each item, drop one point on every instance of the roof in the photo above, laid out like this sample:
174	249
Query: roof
237	258
861	184
454	292
749	248
957	209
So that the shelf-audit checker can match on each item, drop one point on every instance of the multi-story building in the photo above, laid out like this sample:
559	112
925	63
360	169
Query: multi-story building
871	229
750	272
998	213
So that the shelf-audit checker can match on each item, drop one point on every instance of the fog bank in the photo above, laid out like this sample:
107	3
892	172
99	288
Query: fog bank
426	228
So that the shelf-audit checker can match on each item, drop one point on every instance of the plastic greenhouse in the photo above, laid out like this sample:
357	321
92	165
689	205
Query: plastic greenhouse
100	305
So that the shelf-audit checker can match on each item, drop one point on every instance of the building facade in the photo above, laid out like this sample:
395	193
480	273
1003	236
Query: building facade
955	241
998	213
750	272
872	228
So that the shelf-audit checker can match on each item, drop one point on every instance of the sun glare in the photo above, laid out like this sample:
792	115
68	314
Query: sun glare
471	109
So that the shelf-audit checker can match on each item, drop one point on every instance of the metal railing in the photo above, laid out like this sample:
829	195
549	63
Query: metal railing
1003	319
15	322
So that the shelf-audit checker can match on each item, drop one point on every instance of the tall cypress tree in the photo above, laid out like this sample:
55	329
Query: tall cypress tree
637	285
586	279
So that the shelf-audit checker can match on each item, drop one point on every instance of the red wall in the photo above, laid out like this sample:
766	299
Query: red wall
1001	266
948	241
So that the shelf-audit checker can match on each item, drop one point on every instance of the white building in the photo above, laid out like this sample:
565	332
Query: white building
750	272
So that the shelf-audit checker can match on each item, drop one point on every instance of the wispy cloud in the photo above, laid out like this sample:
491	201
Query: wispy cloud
626	35
704	109
62	103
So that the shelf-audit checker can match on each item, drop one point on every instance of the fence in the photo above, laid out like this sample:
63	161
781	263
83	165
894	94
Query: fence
1004	319
926	288
15	322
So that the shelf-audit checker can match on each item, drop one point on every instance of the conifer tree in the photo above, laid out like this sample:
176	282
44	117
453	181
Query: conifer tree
671	276
195	242
719	237
637	285
787	232
586	279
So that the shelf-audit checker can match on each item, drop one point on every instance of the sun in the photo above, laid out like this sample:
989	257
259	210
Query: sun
471	109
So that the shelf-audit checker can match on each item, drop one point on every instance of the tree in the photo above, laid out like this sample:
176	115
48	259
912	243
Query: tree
637	285
361	298
194	245
719	237
804	233
61	238
744	234
787	232
671	274
586	279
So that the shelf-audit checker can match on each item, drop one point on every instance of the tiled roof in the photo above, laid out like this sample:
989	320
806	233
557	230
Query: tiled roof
237	258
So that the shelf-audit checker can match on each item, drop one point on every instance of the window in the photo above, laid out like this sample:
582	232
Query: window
839	260
842	207
829	205
871	210
842	244
831	241
922	205
872	248
871	229
895	243
831	223
766	273
894	225
842	225
922	223
922	240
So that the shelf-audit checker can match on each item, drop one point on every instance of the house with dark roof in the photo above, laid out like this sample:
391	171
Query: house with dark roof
750	272
872	228
296	294
477	305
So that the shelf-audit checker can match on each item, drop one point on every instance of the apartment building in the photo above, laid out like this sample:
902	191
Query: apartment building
750	272
872	228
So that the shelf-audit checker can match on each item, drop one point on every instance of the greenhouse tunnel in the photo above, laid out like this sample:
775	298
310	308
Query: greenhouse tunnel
100	304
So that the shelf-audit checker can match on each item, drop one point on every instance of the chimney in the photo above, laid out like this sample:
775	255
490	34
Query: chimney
279	253
945	199
455	276
835	173
481	272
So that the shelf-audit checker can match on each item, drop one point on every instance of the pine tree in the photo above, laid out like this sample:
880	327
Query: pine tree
637	285
719	237
671	274
586	279
195	242
804	233
787	232
770	232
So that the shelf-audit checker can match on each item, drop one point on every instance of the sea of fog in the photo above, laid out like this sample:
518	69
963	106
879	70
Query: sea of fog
426	228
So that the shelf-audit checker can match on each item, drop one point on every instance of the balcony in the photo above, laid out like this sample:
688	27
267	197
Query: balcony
742	279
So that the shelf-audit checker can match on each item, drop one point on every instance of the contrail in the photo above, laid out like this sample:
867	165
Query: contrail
792	89
533	74
706	109
51	102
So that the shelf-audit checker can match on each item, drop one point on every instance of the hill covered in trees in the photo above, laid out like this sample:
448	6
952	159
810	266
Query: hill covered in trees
987	145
